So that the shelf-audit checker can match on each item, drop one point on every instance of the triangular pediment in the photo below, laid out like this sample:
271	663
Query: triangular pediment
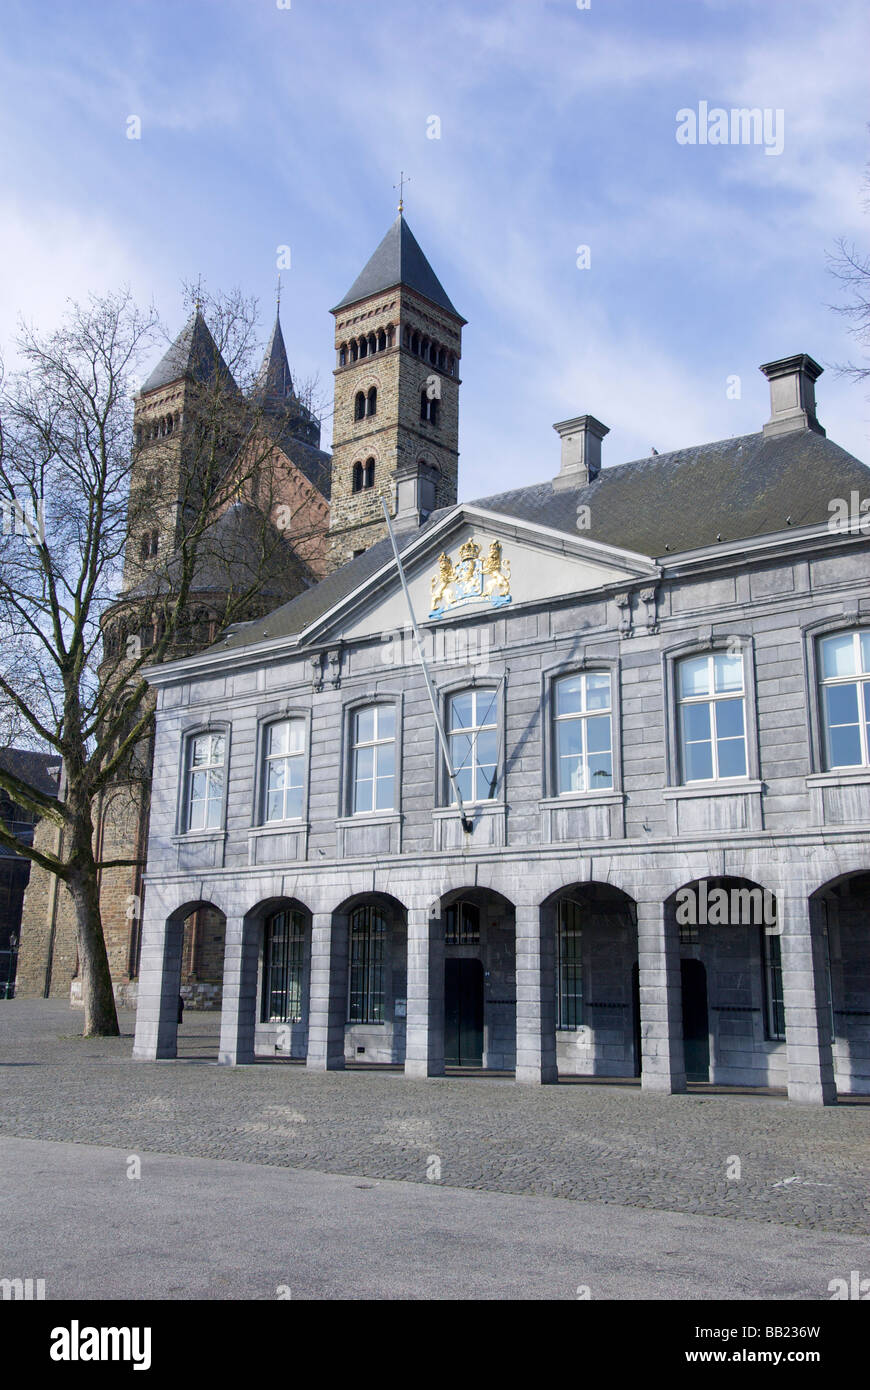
479	566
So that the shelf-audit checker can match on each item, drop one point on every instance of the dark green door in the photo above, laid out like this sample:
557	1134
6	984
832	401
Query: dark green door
463	1013
696	1036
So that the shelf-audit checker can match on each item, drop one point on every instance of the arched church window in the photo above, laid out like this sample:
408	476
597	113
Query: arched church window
354	352
415	343
357	477
373	401
373	343
391	335
359	406
363	347
342	355
382	340
369	473
442	358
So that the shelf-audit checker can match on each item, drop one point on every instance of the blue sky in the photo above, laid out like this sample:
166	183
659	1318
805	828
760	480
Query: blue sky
265	126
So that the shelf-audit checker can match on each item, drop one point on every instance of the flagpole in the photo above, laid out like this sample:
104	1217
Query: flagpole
433	699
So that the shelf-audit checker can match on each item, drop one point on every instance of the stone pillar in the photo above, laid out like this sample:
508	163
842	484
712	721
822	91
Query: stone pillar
327	995
806	998
536	999
424	1050
159	987
663	1065
239	1000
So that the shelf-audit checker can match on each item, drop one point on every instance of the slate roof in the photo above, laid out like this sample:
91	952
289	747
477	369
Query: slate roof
193	354
398	261
734	489
315	463
273	378
34	769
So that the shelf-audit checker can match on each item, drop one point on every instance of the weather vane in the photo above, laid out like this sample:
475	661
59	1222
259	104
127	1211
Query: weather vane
401	187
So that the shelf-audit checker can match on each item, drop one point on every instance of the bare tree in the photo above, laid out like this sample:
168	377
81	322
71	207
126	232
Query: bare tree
85	605
851	268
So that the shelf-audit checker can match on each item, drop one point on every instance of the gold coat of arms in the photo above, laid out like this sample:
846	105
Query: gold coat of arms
473	578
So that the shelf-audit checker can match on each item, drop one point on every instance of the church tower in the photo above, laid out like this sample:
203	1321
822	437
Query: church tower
398	343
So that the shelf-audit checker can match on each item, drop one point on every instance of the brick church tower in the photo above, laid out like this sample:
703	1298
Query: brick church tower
398	341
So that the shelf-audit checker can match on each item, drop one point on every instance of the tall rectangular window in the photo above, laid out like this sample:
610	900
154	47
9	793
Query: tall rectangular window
472	723
569	965
205	782
283	769
368	932
712	717
284	967
583	732
845	687
373	763
773	997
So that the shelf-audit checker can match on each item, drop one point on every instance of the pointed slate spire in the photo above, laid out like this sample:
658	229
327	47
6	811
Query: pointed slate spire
399	261
194	354
274	381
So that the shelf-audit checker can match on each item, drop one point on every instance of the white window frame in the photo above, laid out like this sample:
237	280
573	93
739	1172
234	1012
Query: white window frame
859	679
583	715
268	759
208	768
712	699
473	731
376	744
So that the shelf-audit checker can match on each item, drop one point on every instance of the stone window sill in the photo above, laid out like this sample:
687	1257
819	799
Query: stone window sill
849	776
699	789
608	798
195	837
277	827
370	818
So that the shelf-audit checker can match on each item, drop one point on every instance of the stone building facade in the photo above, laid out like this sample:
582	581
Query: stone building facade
655	684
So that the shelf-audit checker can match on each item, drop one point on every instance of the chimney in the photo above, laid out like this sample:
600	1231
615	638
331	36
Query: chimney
581	450
792	395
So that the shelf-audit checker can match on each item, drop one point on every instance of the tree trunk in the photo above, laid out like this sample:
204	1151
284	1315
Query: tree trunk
101	1018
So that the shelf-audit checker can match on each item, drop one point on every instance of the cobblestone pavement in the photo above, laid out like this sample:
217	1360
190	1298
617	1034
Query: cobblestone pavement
799	1165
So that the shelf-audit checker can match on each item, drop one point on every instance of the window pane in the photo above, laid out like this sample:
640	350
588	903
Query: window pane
461	711
486	707
845	746
600	772
842	704
274	805
364	726
362	795
598	734
694	677
277	740
568	695
384	793
838	656
696	722
276	773
365	763
486	782
217	748
200	751
570	774
598	690
386	760
732	757
463	778
487	746
697	761
865	651
729	718
460	748
569	738
296	736
728	672
386	721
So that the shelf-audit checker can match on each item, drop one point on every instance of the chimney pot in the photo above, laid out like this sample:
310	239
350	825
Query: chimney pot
792	395
581	450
